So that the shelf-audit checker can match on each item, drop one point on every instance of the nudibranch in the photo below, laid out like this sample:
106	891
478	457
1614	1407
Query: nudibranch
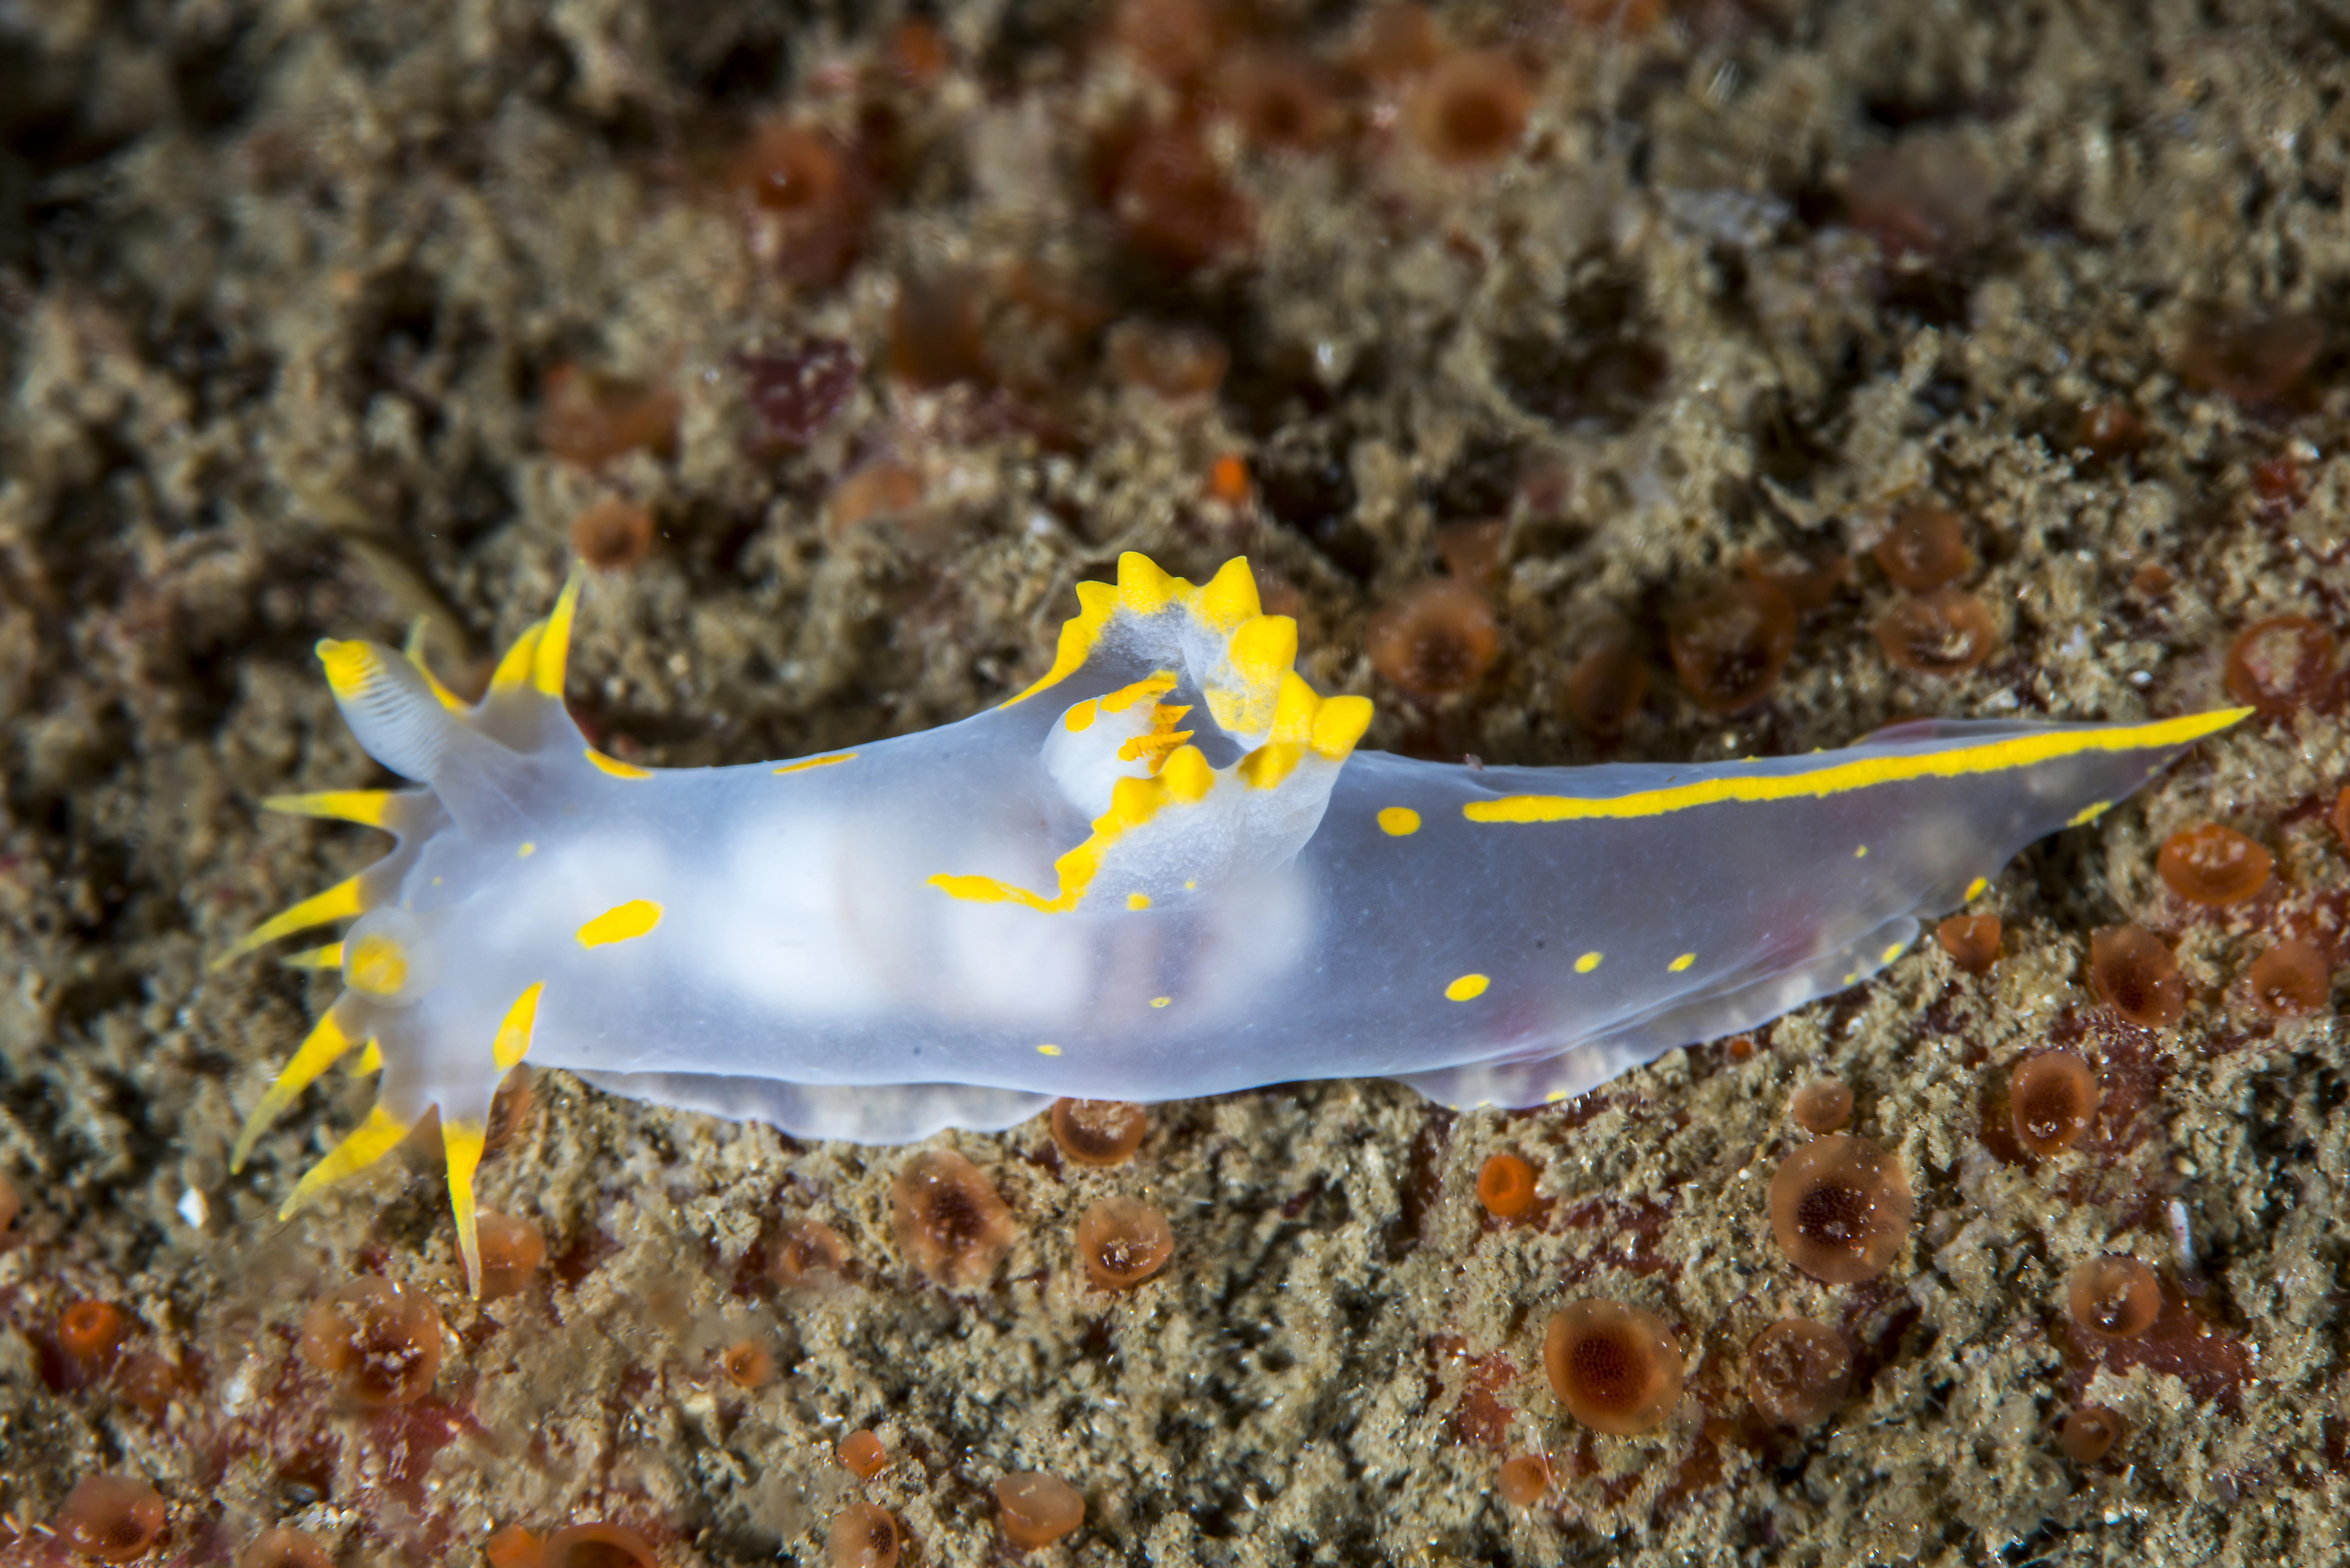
1162	870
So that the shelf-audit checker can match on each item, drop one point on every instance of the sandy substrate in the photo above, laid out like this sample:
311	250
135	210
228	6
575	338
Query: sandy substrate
283	288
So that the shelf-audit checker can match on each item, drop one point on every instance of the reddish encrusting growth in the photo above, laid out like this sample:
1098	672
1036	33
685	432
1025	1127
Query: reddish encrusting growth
2281	665
1475	1385
794	393
378	1344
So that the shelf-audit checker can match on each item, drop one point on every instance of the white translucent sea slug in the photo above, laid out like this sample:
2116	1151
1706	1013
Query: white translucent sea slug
1162	870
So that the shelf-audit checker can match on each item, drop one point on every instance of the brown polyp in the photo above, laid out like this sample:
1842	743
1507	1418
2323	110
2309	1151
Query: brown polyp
935	338
950	1223
1397	40
2340	817
1730	645
1810	580
883	488
917	53
2248	356
1472	551
2151	581
1924	548
1174	40
2113	1297
863	1535
807	1253
612	534
2213	865
589	420
1098	1132
2052	1099
284	1548
2279	483
91	1333
1972	941
1524	1478
1798	1371
1840	1207
1123	1241
11	1204
812	190
862	1454
512	1250
1173	204
1470	109
147	1380
1036	1508
1946	632
1615	1367
2133	973
1434	638
2279	664
509	1110
2291	980
747	1364
596	1545
114	1518
1821	1105
1606	686
2107	431
513	1547
1178	364
2089	1433
381	1345
1277	101
1928	197
1506	1186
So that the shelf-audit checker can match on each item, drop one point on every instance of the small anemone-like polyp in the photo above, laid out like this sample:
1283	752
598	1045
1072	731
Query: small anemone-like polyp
596	1545
2051	1098
1972	941
809	1252
2113	1297
1730	645
1615	1367
1840	1207
1524	1478
747	1364
2133	973
114	1518
1036	1510
284	1548
1470	109
381	1345
1798	1371
2213	865
1098	1132
1434	638
1606	686
2089	1433
1506	1186
1924	548
2291	980
862	1454
863	1535
612	534
2279	664
91	1334
1821	1105
949	1221
1945	632
1123	1241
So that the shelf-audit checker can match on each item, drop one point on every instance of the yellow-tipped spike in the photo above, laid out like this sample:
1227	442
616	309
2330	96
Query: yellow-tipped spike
326	1044
1229	598
368	808
339	902
515	670
513	1041
351	665
368	1060
413	651
463	1142
554	640
328	957
370	1141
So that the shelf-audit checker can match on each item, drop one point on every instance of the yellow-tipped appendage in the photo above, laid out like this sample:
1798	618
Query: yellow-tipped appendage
326	1046
368	808
342	901
369	1142
461	1141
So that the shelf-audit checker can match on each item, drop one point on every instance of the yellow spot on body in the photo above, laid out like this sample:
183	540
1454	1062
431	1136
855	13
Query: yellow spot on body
1586	964
620	924
1682	962
1975	889
1992	757
1160	1001
1399	821
1861	853
1468	988
1891	953
377	965
1189	885
2090	812
616	767
526	851
1049	1050
1553	1096
1149	689
1853	978
801	767
1138	901
1080	719
512	1042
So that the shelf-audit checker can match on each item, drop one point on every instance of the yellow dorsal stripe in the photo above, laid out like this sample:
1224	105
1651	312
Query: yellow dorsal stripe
515	669
1995	756
461	1142
805	763
554	638
369	1142
328	957
339	902
368	808
320	1050
620	924
616	768
513	1041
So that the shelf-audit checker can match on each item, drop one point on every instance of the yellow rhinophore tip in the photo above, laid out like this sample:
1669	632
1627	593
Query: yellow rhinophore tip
368	808
513	1040
378	965
370	1141
339	902
1229	598
324	1044
350	666
461	1141
554	640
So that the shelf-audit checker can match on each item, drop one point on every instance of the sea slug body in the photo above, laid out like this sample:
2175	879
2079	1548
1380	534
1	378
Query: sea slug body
1162	870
